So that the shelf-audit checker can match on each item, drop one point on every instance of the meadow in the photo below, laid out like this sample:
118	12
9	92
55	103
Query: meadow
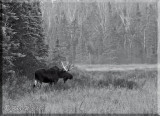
100	92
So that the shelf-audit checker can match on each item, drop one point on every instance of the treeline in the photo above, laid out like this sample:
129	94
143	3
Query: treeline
102	32
23	42
36	33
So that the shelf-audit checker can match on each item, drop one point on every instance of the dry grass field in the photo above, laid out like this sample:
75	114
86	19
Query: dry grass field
117	92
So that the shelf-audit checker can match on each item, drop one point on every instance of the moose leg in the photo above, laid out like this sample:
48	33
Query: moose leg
64	80
40	84
55	81
50	84
35	83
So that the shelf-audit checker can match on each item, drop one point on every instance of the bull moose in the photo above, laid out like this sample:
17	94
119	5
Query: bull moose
52	75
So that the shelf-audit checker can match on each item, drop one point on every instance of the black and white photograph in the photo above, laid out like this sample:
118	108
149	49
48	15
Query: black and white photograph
80	57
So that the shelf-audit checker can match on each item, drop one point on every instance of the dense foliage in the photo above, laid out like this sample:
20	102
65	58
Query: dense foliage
23	38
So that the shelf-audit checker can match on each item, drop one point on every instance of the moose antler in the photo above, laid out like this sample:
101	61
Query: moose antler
64	66
68	66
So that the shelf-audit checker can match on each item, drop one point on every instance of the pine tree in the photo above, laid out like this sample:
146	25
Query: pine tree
8	16
29	36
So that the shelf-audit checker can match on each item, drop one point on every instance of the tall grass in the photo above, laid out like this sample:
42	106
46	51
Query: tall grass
94	92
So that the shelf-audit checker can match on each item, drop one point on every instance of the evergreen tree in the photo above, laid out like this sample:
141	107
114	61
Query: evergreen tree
29	36
8	17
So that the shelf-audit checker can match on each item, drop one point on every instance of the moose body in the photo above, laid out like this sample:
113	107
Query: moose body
51	75
46	76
